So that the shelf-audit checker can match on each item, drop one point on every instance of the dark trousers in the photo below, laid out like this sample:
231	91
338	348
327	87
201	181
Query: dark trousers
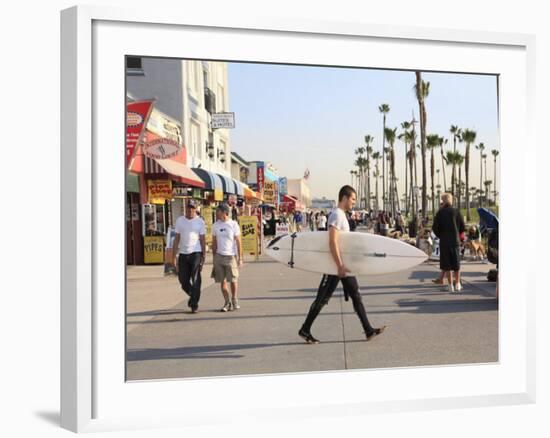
189	274
325	291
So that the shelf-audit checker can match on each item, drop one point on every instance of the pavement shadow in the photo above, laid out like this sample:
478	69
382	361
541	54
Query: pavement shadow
205	351
446	306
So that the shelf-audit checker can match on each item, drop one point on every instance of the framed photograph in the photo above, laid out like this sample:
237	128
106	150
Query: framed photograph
291	218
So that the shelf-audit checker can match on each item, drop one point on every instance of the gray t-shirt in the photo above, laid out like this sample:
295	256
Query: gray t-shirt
338	220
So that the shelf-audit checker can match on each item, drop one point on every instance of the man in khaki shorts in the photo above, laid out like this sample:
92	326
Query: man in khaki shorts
227	249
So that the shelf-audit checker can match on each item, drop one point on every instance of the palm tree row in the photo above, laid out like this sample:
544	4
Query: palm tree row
390	192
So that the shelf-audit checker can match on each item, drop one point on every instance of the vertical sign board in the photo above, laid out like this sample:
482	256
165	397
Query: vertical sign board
153	249
269	192
137	115
260	178
208	220
249	234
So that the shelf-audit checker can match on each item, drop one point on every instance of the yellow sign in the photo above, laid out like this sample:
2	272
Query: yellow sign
153	249
218	195
159	190
208	221
249	234
269	192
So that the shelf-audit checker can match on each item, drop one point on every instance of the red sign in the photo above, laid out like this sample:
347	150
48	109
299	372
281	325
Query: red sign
137	115
260	178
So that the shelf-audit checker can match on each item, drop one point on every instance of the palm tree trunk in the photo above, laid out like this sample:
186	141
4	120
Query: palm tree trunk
432	171
443	169
467	168
459	191
480	177
406	182
384	163
495	181
423	123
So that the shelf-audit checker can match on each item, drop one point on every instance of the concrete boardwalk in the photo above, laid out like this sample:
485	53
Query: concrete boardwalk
427	326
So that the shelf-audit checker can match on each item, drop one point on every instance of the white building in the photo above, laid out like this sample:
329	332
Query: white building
188	91
299	189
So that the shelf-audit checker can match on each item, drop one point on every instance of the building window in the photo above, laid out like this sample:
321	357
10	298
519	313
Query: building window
221	98
134	66
195	141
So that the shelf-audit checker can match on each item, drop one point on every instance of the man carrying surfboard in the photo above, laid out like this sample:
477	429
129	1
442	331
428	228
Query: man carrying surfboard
338	223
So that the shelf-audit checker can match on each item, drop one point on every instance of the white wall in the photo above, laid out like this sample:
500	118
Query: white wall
30	283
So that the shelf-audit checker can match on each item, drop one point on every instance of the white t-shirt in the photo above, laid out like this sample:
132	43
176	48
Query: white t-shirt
338	220
322	221
189	231
225	233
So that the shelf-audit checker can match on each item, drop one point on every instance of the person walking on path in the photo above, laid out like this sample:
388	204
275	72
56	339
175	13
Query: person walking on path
190	253
448	225
228	255
338	223
322	222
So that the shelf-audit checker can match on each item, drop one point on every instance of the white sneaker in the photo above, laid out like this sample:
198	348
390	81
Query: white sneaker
451	288
227	306
235	304
458	287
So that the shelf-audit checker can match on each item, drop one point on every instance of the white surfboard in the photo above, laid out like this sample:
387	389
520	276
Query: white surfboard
362	253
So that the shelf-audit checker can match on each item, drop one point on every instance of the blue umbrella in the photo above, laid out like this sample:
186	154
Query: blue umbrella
487	219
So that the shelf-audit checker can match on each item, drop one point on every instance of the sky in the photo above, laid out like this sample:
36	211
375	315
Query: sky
299	117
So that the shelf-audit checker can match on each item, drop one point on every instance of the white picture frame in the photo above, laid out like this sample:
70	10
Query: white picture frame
93	395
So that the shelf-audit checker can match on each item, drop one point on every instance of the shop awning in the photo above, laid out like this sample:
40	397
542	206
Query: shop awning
211	180
175	170
227	184
251	194
239	188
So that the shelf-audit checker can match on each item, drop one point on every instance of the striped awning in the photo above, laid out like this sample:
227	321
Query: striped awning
173	170
211	180
228	185
239	188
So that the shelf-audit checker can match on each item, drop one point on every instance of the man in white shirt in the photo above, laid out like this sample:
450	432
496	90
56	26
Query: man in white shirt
338	223
228	256
189	253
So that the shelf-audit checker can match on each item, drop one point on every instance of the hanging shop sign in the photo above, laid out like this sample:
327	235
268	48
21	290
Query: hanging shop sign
159	190
223	120
161	148
137	116
249	234
164	127
260	178
180	192
269	193
153	249
283	184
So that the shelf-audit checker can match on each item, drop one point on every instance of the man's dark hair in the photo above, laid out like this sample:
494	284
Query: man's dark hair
345	191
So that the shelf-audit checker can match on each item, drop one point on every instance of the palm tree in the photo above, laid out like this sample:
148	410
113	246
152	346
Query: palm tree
408	138
480	147
495	155
384	109
403	137
368	140
468	137
487	185
359	163
376	158
391	135
443	141
432	143
422	89
484	157
461	187
457	135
